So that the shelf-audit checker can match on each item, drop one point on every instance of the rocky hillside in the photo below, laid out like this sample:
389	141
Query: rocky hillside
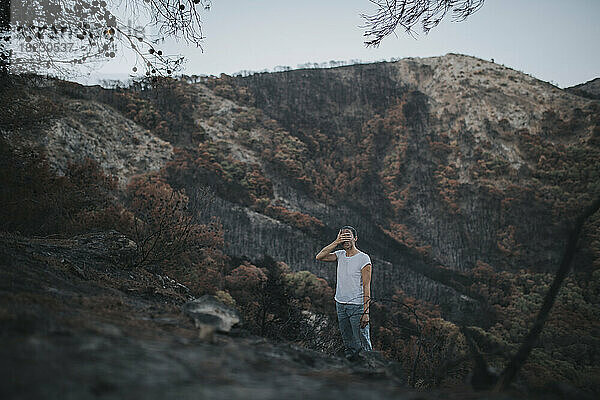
441	163
458	165
75	323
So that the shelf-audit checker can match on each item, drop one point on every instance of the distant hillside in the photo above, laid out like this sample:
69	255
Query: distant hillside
441	163
590	89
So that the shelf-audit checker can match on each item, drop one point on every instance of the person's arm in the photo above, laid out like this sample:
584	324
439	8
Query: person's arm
325	254
366	278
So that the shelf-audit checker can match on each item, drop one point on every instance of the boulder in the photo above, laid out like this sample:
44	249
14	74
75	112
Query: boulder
210	314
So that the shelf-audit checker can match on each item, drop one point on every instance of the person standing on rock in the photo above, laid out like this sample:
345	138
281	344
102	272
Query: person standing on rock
352	292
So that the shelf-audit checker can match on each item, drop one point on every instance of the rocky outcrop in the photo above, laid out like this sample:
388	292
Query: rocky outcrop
211	315
93	249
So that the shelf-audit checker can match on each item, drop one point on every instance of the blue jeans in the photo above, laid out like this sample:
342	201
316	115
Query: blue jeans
355	338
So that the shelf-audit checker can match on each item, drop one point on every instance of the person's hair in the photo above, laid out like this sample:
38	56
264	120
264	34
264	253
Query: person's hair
351	229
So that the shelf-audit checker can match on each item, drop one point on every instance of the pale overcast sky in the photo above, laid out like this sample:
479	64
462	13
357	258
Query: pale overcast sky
553	40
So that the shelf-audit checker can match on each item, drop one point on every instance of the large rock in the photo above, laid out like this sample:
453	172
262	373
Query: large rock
210	314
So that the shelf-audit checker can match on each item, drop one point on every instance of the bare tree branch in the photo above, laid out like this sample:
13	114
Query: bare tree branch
59	37
515	364
407	13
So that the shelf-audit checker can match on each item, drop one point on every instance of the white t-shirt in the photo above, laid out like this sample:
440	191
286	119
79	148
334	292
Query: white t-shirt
349	287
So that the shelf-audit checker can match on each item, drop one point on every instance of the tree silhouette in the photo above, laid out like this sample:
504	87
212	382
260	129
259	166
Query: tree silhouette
482	377
517	361
56	37
408	13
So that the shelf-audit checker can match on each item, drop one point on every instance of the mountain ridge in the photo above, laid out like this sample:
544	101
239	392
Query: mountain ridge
589	89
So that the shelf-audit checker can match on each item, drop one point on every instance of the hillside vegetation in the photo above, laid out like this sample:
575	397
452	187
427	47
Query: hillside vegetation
462	176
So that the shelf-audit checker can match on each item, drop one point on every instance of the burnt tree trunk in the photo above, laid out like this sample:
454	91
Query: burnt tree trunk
515	364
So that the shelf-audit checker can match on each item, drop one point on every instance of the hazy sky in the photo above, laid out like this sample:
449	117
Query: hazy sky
553	40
